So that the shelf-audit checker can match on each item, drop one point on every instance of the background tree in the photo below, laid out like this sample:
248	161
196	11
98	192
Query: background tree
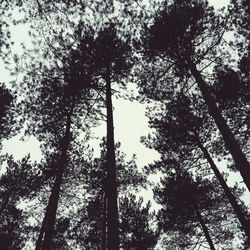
91	222
9	123
137	230
182	133
194	33
189	206
21	180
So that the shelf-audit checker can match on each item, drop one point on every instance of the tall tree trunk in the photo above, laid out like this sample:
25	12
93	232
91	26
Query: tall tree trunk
236	207
232	145
205	229
104	223
47	229
112	207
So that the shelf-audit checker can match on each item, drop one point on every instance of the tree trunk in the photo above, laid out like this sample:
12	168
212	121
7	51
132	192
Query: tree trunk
231	144
47	228
112	207
104	223
236	207
205	229
52	208
41	233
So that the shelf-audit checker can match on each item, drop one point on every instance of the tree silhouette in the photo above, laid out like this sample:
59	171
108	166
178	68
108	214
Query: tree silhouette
21	180
111	63
185	33
181	132
59	98
136	230
185	201
92	216
9	124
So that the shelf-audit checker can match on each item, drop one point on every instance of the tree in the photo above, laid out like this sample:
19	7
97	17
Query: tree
8	122
193	33
188	207
231	93
91	221
111	63
21	180
182	131
59	98
136	229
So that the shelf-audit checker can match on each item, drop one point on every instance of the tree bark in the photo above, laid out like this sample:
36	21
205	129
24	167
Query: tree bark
232	145
112	207
104	223
205	229
45	238
236	207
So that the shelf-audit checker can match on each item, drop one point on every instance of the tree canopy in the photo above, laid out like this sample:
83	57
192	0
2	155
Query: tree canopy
186	63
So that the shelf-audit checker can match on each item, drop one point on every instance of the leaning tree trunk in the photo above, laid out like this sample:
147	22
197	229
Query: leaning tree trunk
111	187
236	207
204	229
232	145
47	229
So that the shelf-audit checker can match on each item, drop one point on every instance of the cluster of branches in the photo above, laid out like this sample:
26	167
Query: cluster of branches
177	55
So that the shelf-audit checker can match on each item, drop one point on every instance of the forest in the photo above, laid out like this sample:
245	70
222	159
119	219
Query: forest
187	63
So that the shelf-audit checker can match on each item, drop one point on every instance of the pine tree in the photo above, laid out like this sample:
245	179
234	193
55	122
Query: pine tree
111	63
185	34
180	132
9	124
136	224
58	98
190	206
92	216
21	180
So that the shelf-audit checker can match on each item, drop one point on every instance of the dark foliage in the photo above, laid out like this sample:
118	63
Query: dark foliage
82	54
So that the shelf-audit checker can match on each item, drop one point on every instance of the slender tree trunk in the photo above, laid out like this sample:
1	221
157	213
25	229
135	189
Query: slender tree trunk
41	233
236	207
47	229
52	208
112	207
104	223
231	144
205	229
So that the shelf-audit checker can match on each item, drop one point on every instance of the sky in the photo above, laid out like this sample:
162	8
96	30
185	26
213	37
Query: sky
219	3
